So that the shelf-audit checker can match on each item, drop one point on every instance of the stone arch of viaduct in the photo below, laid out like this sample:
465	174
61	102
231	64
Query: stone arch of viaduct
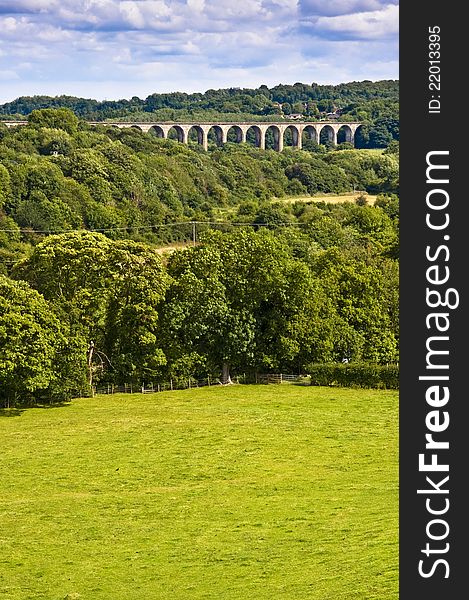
239	131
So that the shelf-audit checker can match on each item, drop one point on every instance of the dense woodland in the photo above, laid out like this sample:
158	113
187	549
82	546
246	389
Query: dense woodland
270	283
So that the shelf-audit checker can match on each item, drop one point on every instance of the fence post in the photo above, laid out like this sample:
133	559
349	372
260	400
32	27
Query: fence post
208	380
171	384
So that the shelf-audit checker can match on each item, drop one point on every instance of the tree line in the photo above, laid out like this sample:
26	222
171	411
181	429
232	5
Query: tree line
83	308
375	103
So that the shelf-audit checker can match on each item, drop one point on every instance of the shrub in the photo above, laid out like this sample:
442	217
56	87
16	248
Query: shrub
364	375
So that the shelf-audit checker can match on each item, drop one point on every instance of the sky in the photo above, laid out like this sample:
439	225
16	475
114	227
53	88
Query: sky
112	49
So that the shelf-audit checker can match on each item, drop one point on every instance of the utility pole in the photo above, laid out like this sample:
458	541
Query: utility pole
194	233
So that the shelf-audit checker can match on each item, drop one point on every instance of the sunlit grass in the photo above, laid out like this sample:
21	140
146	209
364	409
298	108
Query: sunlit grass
329	198
247	492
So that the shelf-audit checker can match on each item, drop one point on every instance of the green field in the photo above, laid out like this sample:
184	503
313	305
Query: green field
328	198
240	493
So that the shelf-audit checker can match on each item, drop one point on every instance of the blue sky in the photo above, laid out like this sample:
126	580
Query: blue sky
122	48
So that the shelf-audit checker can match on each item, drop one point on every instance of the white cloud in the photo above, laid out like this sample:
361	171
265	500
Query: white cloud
9	75
367	25
20	6
8	24
196	5
132	14
168	45
341	7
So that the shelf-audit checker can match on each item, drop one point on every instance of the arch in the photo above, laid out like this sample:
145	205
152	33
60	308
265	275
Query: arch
309	136
157	131
361	136
292	136
235	135
345	134
274	135
327	135
216	135
273	138
196	134
176	132
254	136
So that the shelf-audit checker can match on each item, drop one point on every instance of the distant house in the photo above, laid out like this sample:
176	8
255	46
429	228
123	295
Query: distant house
294	116
334	115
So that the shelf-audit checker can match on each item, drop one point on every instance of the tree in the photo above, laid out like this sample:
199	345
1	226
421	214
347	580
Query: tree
319	176
131	337
54	118
5	186
107	292
35	354
42	214
364	301
298	108
71	271
55	141
233	303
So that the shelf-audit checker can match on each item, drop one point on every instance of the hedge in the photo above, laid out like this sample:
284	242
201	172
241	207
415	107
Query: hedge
363	375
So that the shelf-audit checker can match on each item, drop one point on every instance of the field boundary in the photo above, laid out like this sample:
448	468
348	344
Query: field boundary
190	383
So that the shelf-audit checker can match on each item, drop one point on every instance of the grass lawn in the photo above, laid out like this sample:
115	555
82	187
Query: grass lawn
240	493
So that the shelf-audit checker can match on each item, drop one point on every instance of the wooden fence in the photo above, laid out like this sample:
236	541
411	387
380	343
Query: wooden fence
151	388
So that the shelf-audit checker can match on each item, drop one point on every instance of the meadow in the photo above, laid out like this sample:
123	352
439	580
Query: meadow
238	493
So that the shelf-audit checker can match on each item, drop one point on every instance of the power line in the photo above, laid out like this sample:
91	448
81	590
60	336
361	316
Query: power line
151	227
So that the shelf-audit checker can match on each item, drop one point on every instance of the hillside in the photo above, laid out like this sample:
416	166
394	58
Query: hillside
59	174
265	284
374	103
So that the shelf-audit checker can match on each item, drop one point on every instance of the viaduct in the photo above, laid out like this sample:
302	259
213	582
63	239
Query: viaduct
238	131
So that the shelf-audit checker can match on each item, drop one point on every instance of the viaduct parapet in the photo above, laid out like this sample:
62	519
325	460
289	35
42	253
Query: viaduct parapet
238	131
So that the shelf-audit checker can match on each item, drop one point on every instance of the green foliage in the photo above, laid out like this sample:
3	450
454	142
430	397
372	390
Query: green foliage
234	301
362	375
373	102
121	180
363	302
318	176
35	352
41	214
55	142
5	186
54	118
69	271
367	171
106	291
245	301
130	335
303	282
